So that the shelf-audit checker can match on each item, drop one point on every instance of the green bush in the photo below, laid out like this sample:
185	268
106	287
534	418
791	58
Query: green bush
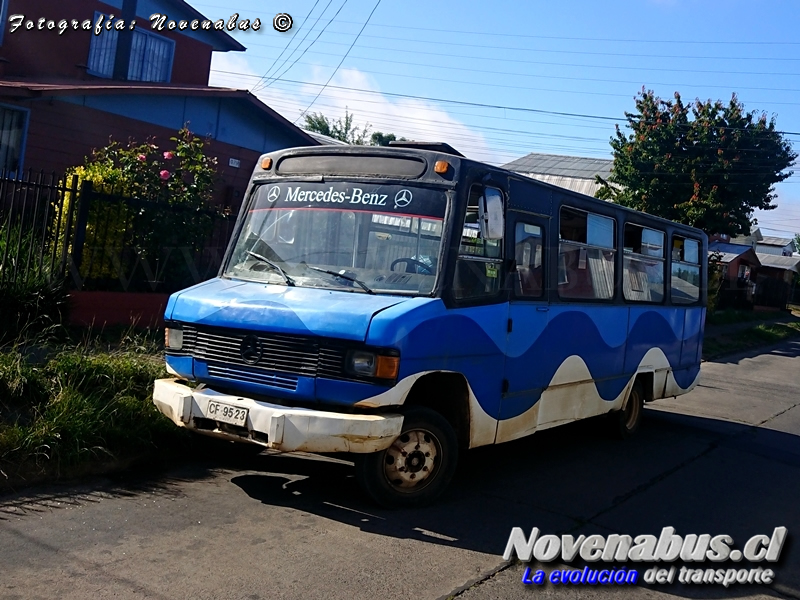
78	407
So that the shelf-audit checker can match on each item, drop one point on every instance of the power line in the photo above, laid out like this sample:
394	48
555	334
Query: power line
301	42
529	75
547	63
553	37
481	104
341	61
289	43
286	70
579	52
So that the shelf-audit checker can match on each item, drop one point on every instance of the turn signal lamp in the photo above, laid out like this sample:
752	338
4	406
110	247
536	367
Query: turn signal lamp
441	167
387	367
266	163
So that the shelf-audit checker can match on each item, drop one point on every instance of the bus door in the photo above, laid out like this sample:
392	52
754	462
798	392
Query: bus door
527	253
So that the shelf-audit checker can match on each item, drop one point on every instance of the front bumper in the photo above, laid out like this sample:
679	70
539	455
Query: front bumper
279	427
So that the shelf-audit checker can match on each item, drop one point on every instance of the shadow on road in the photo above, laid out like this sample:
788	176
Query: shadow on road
698	475
789	349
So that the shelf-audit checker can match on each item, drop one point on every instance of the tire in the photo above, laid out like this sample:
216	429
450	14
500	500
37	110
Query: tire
624	423
416	468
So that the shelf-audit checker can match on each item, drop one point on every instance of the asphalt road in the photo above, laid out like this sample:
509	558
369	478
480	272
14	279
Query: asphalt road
724	459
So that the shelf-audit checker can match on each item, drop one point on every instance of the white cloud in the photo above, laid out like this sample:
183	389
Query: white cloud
405	117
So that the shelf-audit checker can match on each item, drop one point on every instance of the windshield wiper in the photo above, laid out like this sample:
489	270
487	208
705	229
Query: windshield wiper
343	276
286	278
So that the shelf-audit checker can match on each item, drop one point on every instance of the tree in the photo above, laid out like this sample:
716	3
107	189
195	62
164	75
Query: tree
797	242
382	139
341	129
704	164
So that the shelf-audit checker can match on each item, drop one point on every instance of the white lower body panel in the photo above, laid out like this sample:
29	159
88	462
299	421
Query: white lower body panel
279	427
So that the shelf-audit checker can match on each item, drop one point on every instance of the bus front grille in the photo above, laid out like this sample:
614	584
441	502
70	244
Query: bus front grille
278	380
263	356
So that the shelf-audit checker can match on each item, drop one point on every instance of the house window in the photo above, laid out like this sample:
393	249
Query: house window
3	18
102	52
151	58
12	135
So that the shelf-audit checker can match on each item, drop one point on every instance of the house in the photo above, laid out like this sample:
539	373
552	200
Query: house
739	261
778	246
63	94
574	173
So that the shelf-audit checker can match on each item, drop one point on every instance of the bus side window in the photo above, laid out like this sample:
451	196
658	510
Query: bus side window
586	253
528	255
685	281
643	265
479	264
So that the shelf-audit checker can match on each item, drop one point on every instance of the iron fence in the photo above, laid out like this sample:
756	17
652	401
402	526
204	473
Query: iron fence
53	228
37	226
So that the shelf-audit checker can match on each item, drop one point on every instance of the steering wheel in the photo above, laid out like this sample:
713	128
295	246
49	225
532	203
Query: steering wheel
409	262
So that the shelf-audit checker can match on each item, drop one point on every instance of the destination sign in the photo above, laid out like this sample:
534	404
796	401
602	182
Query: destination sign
406	200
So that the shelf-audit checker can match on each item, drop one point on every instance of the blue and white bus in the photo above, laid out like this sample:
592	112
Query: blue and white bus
406	304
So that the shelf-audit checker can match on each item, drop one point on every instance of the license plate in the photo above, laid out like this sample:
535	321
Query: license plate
226	413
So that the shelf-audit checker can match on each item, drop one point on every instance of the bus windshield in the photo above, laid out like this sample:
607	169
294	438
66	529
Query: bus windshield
356	237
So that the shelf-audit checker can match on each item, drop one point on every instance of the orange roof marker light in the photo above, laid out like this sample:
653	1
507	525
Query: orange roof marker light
441	167
266	163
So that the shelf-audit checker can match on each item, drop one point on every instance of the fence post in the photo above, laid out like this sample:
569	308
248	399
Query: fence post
84	200
73	188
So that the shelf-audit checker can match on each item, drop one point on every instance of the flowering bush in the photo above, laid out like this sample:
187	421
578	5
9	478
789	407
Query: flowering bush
158	202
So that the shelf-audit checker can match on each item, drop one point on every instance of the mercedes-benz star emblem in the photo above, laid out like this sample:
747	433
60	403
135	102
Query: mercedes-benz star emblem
273	194
403	198
251	350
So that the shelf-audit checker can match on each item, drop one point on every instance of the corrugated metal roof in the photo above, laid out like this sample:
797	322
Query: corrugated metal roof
769	240
578	167
325	140
584	186
730	252
727	257
735	249
787	263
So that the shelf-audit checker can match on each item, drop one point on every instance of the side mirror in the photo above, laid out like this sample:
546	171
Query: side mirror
490	214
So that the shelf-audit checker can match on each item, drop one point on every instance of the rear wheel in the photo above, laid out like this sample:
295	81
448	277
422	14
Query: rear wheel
626	422
417	467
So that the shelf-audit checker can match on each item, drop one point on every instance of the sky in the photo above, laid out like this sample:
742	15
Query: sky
500	79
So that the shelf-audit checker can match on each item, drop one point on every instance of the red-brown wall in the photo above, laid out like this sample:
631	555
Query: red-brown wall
61	135
38	54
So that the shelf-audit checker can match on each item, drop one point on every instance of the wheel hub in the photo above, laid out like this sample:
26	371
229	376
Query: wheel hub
411	459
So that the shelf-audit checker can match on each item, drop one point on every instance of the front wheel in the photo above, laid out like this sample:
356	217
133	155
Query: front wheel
626	422
417	467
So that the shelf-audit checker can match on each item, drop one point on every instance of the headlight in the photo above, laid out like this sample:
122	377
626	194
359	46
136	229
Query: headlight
173	338
372	364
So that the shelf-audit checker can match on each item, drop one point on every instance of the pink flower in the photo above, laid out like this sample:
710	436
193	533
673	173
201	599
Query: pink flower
142	157
169	155
164	175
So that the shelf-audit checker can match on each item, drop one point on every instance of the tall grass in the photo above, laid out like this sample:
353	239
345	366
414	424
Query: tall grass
78	406
32	299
